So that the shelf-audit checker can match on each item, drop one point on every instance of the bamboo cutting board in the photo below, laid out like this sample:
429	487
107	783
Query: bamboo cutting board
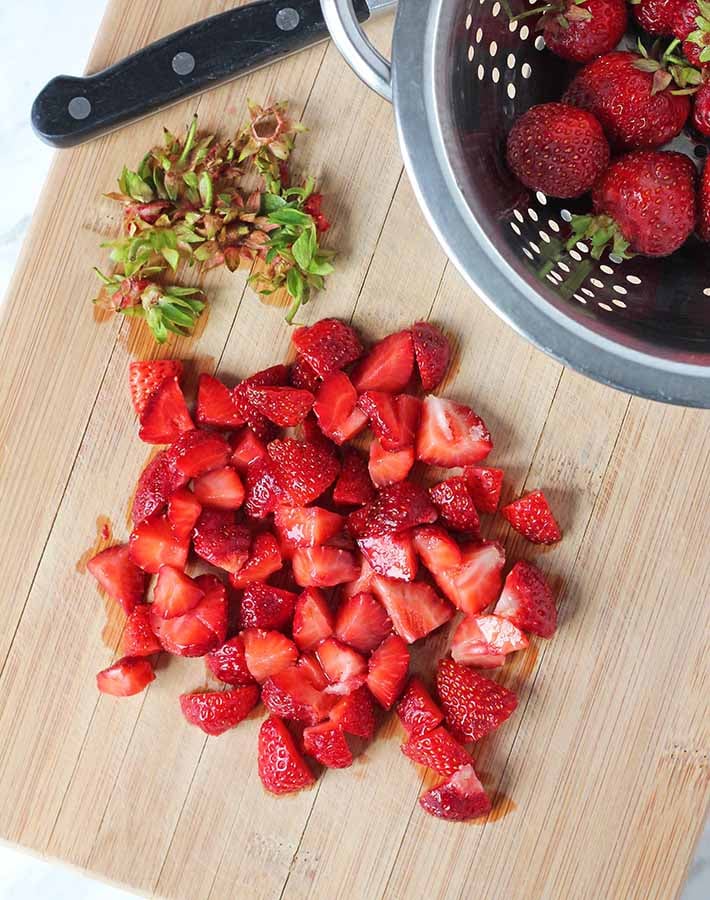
600	780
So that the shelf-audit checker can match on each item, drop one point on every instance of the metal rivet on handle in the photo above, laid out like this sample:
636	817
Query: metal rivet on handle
287	18
79	108
183	63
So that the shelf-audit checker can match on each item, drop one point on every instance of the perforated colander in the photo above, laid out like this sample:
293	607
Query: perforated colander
461	73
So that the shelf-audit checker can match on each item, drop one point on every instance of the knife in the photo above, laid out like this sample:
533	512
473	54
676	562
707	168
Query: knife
69	110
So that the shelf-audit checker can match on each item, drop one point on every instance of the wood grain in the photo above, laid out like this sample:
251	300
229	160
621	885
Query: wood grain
601	778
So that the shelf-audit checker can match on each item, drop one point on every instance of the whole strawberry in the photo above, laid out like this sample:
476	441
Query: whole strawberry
704	205
557	149
701	109
656	16
691	25
581	30
633	99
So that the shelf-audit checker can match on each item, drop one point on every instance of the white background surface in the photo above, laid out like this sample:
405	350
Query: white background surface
39	39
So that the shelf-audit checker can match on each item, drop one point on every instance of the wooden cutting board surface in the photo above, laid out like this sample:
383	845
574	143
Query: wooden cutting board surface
600	780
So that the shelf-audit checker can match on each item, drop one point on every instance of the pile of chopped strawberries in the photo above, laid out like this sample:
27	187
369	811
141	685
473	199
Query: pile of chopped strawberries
319	566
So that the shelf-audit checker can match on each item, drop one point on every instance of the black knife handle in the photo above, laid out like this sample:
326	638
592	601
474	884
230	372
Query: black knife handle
70	110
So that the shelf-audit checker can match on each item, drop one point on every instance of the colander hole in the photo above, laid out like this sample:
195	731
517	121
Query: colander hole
511	90
619	289
596	282
607	270
515	228
524	33
633	279
533	215
526	70
550	277
528	253
493	48
510	62
582	247
700	150
588	292
534	247
539	42
481	73
471	52
581	299
479	35
541	198
619	303
496	8
615	259
518	215
566	215
469	20
495	74
545	236
706	291
553	225
604	306
512	26
576	256
564	267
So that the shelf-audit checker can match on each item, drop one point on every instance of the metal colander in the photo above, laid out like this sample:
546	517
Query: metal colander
461	74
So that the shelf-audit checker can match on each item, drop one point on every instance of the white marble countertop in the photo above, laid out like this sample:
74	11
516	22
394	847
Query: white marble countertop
40	39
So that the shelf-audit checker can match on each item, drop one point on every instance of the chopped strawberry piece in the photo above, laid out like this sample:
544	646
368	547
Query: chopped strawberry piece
228	663
417	710
355	713
312	619
393	419
457	799
311	433
436	548
432	353
138	637
146	376
215	404
313	207
436	750
311	526
484	641
353	487
303	470
266	607
398	507
326	743
344	667
455	504
183	512
219	540
336	409
387	670
389	466
221	488
264	560
363	582
128	676
276	376
415	609
303	375
166	415
391	555
290	694
267	652
285	406
477	582
323	566
451	434
175	593
485	486
217	711
158	481
197	452
246	448
362	622
263	491
200	630
473	705
119	576
282	768
527	601
153	544
388	366
532	517
308	663
327	346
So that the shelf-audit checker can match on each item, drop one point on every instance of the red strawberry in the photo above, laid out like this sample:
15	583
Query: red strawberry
267	652
635	107
197	452
701	109
158	481
485	487
165	416
285	406
266	607
336	409
484	641
311	668
246	448
581	31
398	507
303	470
219	540
313	207
417	710
436	750
704	205
128	676
655	16
228	663
282	769
291	694
527	600
275	376
175	593
393	418
476	583
119	576
327	346
326	743
344	667
200	630
217	711
312	619
532	517
391	555
362	622
303	375
455	504
183	512
389	466
451	434
323	566
388	366
264	559
387	670
215	404
311	526
263	491
355	713
432	353
473	705
353	487
457	799
138	637
145	377
153	544
415	608
690	25
220	488
436	548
